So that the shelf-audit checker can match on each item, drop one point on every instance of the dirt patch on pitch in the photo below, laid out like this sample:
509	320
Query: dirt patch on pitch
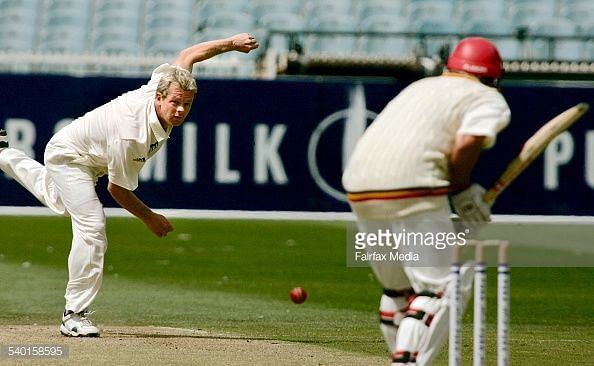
173	346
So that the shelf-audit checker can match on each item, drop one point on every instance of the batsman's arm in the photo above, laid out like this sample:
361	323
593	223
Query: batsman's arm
156	223
464	156
242	42
467	198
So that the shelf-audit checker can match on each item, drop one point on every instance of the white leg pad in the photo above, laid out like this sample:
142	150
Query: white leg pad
391	314
422	325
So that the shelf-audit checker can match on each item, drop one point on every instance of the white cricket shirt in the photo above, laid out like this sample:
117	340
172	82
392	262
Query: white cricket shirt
408	144
118	137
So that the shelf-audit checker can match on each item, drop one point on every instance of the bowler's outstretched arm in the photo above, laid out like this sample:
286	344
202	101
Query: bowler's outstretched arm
242	42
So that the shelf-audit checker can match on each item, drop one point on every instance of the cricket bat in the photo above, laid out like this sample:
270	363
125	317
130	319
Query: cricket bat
533	147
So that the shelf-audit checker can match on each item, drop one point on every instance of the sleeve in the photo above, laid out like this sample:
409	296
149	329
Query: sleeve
124	164
486	116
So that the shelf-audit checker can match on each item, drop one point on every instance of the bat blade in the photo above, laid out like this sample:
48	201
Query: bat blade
533	147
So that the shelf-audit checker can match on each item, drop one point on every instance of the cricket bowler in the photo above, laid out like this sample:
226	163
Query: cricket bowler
115	139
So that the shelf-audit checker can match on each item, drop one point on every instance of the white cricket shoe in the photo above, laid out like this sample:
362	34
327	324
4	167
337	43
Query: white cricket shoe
78	325
3	140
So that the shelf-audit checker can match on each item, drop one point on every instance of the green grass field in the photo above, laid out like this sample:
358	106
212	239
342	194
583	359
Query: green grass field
234	276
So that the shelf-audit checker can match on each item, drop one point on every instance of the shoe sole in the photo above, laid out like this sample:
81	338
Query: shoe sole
69	333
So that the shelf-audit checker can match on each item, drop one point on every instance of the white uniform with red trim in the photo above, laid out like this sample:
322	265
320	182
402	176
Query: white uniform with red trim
408	144
114	139
397	179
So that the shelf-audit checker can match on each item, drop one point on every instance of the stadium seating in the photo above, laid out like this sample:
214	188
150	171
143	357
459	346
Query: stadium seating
170	6
589	51
66	26
278	7
580	12
169	25
237	22
473	10
434	23
329	7
547	48
158	17
117	26
382	7
528	29
11	40
331	43
420	10
206	8
13	15
279	16
436	35
500	32
166	42
385	42
524	13
284	22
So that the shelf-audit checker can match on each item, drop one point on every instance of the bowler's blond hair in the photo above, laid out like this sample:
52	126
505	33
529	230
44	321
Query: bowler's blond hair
182	77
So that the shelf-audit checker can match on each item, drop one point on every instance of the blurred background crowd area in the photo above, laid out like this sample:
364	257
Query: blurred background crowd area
127	37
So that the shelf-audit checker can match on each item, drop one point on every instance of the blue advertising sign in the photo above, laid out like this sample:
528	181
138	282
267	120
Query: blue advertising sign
282	144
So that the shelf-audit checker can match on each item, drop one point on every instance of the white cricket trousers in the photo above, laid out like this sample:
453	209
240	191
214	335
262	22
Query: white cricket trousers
67	189
432	273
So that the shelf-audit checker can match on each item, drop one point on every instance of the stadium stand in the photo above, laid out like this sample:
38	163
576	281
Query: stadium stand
330	16
339	44
580	12
276	20
394	8
13	14
524	13
66	26
431	9
436	35
374	25
117	26
338	7
474	10
276	28
563	49
98	35
499	31
160	38
235	15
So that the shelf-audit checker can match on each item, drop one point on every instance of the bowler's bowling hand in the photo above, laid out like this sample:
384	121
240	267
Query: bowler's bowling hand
244	42
158	224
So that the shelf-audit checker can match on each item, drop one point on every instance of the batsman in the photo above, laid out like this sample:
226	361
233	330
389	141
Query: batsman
115	139
416	157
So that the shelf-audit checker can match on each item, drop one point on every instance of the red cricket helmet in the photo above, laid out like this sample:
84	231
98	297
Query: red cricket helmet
477	56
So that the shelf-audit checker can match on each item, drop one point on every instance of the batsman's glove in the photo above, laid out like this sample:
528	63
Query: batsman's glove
470	206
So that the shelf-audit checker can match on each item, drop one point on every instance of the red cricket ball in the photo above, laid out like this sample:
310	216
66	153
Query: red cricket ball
298	295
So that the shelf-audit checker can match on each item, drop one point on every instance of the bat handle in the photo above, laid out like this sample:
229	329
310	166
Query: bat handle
493	192
489	197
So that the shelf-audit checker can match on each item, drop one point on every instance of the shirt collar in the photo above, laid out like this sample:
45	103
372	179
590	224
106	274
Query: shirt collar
461	75
158	130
